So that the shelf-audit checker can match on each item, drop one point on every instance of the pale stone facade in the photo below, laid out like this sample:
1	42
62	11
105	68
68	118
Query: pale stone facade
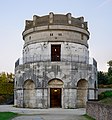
55	70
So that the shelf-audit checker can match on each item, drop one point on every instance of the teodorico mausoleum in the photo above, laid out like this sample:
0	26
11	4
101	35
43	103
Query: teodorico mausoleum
55	70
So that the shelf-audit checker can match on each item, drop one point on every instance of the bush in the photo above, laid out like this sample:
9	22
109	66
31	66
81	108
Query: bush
6	88
105	94
6	92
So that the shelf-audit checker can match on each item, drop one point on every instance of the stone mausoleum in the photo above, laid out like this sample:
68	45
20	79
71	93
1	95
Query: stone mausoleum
55	70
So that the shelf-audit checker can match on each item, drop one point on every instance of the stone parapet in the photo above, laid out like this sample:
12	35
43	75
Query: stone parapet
56	19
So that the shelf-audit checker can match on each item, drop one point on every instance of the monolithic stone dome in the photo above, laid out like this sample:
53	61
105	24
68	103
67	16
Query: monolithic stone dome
75	28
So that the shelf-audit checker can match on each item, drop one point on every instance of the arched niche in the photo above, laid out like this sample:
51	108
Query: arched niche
82	91
29	93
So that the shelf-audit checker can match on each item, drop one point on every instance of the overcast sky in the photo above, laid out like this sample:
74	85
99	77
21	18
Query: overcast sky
13	14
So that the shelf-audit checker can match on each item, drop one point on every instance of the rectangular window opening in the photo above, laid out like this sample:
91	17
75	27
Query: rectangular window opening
55	52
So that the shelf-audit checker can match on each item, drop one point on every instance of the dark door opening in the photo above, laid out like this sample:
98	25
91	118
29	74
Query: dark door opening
55	97
55	52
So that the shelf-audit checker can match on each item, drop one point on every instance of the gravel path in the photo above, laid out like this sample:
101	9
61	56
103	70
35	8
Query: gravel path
45	114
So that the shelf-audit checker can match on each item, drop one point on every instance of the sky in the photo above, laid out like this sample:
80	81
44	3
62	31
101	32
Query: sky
13	14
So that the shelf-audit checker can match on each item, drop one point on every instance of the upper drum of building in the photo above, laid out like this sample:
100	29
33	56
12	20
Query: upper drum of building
56	22
56	19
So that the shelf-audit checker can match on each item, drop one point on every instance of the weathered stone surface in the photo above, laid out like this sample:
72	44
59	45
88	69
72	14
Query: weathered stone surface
72	74
99	111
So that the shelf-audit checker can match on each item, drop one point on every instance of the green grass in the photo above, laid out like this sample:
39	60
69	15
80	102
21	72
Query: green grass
106	97
105	94
7	115
106	101
88	117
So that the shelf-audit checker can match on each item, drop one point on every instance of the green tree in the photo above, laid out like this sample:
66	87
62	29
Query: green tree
3	77
10	77
106	78
102	78
109	63
110	72
6	77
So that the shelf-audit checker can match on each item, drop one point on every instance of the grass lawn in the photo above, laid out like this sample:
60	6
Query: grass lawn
106	101
7	115
88	117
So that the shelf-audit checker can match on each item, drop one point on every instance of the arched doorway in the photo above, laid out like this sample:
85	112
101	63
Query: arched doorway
29	94
55	90
82	89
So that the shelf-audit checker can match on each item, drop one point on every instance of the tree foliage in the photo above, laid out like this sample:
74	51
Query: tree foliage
6	84
6	88
109	75
6	77
106	78
102	78
109	63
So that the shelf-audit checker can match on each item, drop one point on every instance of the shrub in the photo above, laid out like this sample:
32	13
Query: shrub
105	94
6	88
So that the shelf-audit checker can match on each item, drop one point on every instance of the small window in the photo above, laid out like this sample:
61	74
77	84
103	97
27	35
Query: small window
16	82
29	37
82	25
55	52
59	34
82	36
51	34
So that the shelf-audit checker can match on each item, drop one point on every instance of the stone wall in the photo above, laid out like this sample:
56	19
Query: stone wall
99	111
42	52
32	87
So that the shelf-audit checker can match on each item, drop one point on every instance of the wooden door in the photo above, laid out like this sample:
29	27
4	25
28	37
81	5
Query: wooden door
55	52
55	97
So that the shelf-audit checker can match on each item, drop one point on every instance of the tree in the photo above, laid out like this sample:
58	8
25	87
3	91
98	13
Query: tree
10	77
109	63
102	78
6	77
110	72
106	78
3	77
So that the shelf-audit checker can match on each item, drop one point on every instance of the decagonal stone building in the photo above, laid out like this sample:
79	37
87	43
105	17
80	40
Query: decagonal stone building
55	70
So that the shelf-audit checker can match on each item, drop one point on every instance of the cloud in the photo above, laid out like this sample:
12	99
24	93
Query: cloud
104	3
